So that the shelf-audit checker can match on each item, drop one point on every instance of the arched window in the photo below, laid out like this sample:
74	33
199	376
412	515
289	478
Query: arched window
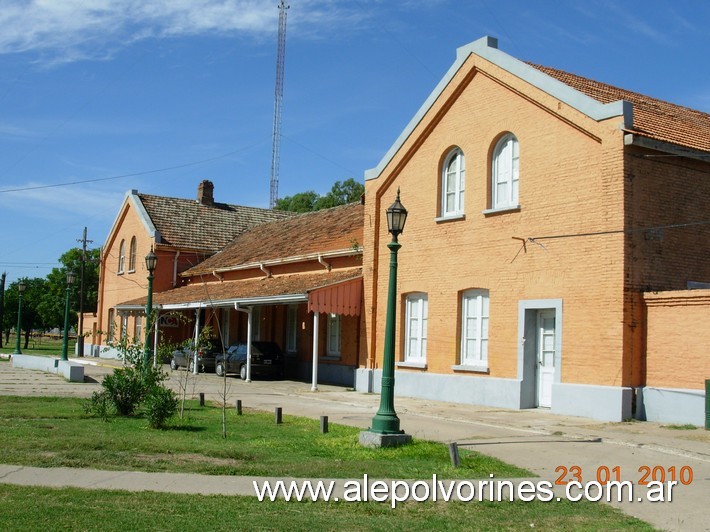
504	173
132	256
453	183
121	256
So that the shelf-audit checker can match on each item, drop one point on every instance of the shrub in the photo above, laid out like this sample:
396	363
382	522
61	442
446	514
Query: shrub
160	405
126	388
101	405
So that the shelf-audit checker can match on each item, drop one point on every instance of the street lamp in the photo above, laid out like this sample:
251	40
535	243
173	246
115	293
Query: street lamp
70	281
151	261
385	424
20	290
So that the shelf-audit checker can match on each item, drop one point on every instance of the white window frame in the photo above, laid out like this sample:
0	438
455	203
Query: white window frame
505	171
453	183
415	337
121	256
334	324
292	329
132	256
111	326
475	318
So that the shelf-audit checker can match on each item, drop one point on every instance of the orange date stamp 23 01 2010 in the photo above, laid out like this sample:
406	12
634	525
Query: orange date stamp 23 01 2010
646	474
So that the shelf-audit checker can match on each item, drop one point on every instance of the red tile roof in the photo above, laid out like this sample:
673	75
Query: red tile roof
281	285
333	229
653	118
188	224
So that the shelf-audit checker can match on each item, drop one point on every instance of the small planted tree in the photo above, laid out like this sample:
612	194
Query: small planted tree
137	384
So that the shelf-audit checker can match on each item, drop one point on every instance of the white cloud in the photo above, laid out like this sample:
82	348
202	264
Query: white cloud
71	30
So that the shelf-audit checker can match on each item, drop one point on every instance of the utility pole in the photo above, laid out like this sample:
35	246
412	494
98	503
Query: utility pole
2	302
80	335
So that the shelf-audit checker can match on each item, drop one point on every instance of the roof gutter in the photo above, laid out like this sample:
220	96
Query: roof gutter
290	260
631	139
246	301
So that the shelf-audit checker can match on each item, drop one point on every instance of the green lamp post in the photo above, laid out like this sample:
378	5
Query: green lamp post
20	290
386	421
65	341
151	261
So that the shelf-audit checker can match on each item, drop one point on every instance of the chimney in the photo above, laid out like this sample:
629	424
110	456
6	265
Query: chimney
205	193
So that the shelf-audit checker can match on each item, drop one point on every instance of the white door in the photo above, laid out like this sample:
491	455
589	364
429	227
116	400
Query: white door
545	356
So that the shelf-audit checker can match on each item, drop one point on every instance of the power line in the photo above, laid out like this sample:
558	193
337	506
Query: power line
135	174
619	231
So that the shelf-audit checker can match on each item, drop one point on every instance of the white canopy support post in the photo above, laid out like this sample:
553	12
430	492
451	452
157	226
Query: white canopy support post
314	376
197	336
248	311
249	329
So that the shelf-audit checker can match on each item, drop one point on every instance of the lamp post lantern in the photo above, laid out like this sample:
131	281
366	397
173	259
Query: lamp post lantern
151	261
65	341
385	424
20	290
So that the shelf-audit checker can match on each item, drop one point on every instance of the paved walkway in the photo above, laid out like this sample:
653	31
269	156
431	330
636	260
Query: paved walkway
534	439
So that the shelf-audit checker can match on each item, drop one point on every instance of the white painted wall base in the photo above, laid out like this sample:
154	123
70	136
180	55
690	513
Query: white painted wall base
672	405
328	373
606	403
467	389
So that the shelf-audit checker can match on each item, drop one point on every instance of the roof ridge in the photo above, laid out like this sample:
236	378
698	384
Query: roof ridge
190	200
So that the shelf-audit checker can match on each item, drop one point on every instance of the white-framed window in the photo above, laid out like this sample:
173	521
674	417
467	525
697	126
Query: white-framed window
132	255
474	328
121	256
504	173
292	329
453	183
333	331
416	311
111	325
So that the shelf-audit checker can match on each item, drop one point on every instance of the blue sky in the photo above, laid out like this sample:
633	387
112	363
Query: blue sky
170	92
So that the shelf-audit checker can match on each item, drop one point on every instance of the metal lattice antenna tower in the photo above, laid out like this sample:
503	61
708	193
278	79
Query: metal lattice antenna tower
278	105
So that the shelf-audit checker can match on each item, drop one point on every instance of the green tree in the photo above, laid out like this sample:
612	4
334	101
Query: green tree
31	298
301	202
341	193
52	305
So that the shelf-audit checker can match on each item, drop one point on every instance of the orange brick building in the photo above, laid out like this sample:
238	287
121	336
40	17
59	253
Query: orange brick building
295	281
182	232
541	206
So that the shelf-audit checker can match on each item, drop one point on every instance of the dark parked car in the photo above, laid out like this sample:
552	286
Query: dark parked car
266	359
185	357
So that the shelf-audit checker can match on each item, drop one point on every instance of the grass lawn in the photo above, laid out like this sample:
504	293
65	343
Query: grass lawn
54	432
39	345
75	509
50	432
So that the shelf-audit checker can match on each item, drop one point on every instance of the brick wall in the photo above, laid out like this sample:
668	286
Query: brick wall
677	339
571	182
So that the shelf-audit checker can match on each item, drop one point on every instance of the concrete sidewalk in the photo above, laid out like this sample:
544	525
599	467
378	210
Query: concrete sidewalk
533	439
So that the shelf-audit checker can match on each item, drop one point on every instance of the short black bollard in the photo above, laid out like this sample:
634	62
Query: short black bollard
454	454
277	413
202	399
324	424
239	407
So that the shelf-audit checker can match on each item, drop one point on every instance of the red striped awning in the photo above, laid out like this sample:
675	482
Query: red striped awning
339	298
